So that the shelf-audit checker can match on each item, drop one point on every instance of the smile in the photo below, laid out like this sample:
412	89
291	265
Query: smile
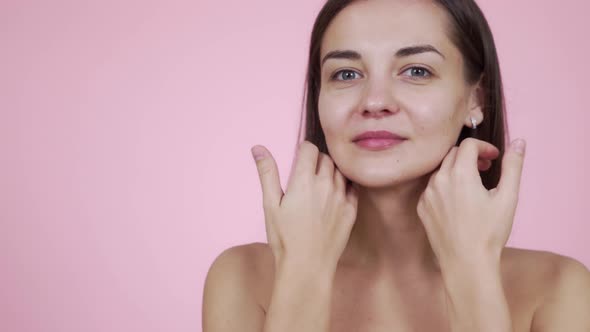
377	144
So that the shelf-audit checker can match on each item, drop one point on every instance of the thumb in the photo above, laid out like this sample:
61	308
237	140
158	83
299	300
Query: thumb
512	164
269	176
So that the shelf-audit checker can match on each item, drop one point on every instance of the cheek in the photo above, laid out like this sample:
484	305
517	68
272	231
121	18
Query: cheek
333	111
437	124
436	116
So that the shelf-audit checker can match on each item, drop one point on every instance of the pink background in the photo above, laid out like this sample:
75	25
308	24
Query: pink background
125	135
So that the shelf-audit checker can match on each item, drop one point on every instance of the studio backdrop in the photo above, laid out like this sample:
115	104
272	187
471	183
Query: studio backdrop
125	136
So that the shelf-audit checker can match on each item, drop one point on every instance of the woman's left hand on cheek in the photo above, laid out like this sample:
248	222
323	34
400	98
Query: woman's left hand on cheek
464	220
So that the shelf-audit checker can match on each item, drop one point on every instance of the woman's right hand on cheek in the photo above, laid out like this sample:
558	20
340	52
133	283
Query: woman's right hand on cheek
310	223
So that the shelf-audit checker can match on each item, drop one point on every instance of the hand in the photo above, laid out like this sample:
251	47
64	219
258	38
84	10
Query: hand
309	224
463	220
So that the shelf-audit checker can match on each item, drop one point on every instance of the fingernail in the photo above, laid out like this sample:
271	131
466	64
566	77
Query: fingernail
257	152
519	146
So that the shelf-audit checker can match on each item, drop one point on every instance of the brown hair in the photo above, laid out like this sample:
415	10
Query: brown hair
471	34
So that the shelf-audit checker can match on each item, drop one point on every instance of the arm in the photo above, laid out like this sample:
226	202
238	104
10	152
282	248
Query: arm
300	300
475	296
468	226
228	303
566	306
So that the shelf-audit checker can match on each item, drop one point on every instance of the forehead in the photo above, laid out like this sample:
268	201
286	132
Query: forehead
387	25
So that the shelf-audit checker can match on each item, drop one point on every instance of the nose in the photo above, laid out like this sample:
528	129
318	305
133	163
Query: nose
378	99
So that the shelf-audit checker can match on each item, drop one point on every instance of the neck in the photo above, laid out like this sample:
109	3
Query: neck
388	234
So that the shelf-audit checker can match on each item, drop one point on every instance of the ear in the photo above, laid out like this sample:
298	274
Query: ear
475	108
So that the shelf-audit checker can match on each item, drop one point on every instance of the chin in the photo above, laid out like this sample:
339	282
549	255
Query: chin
387	177
380	179
382	170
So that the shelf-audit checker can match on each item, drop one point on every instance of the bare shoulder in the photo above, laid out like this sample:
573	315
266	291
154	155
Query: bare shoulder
251	263
550	267
251	256
562	284
231	296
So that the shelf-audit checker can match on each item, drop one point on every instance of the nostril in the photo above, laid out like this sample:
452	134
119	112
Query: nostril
377	114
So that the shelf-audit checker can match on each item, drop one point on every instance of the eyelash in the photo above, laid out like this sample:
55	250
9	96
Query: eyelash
333	78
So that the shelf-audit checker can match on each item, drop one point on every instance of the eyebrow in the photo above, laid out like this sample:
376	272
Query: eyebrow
402	52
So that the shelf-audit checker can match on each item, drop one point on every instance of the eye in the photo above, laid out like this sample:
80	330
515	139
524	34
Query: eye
348	74
418	72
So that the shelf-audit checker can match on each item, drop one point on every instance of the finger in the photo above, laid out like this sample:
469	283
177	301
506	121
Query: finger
339	181
306	160
269	176
352	194
433	175
449	160
484	164
470	150
325	166
512	163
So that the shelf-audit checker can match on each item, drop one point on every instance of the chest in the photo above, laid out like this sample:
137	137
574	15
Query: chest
363	304
410	306
402	306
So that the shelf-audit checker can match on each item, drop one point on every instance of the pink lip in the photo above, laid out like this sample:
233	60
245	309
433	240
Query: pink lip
377	140
379	134
376	144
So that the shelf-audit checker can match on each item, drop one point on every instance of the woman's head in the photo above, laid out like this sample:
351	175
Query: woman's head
420	69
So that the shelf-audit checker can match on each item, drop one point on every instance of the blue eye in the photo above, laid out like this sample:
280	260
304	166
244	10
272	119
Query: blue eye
419	72
337	74
415	72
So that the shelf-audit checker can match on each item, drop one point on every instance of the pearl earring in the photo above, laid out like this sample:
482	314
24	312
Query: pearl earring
473	123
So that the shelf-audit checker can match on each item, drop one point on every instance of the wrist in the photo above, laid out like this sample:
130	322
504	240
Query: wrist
473	277
470	262
305	269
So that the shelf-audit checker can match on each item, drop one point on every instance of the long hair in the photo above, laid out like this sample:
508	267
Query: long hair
471	34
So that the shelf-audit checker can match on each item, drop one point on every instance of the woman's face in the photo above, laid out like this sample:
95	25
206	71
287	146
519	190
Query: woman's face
418	94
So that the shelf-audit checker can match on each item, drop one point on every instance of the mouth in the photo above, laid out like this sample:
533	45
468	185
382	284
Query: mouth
379	134
377	144
377	140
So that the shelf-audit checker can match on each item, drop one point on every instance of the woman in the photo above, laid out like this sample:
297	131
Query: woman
403	194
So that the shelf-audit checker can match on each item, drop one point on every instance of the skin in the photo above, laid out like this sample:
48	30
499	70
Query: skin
427	249
384	92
